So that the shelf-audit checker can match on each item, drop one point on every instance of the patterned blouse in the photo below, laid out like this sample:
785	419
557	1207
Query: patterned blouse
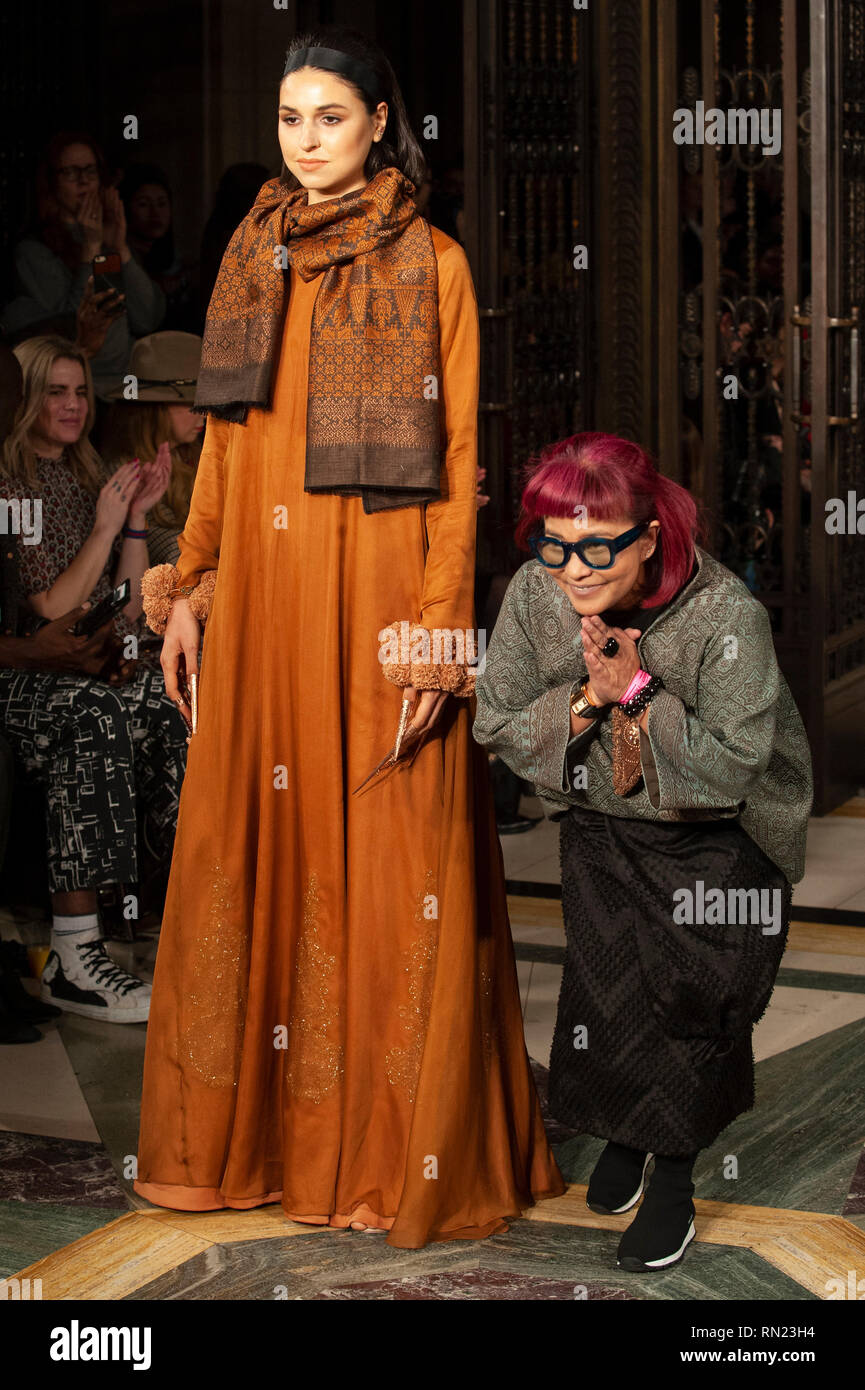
68	515
724	737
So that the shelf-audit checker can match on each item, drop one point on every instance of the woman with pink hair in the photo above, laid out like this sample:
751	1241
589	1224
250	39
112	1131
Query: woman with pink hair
633	679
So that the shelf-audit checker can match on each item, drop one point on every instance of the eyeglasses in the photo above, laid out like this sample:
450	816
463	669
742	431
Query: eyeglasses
598	552
78	171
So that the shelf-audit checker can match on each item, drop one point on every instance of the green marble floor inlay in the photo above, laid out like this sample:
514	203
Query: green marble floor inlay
296	1267
833	981
589	1256
300	1267
31	1230
798	1148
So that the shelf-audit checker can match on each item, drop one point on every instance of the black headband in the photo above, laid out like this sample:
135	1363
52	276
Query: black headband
333	60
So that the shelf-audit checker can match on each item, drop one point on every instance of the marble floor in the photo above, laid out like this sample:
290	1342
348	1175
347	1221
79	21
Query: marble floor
781	1195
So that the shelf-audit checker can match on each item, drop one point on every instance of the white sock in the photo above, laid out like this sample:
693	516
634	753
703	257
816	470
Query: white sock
69	932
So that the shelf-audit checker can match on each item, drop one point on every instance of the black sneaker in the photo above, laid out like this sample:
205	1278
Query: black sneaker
94	986
663	1228
618	1180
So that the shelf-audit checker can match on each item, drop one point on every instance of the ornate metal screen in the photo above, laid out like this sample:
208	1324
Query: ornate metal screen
720	310
770	268
836	653
846	464
526	175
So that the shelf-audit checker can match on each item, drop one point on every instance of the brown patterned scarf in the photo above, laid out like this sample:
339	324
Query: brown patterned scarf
373	422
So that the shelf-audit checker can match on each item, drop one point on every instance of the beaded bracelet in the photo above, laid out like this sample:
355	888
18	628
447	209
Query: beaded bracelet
640	679
642	698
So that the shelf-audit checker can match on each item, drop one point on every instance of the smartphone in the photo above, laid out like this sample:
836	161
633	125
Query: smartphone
90	622
103	266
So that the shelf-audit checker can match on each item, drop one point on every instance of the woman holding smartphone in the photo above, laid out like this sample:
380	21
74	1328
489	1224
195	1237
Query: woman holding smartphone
336	1020
100	751
78	216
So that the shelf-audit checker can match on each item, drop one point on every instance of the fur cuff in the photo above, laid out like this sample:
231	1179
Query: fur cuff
414	648
157	595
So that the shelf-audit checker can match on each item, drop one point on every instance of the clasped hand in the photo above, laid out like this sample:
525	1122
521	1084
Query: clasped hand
609	676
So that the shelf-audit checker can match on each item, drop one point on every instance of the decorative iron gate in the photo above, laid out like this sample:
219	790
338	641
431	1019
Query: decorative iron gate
526	71
771	274
718	320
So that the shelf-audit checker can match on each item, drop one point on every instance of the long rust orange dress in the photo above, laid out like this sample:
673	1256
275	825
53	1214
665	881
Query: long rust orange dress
335	1021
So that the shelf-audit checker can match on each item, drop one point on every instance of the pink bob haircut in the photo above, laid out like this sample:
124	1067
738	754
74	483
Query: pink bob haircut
613	478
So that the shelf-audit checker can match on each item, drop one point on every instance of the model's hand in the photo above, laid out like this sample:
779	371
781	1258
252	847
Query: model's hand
179	657
429	707
609	676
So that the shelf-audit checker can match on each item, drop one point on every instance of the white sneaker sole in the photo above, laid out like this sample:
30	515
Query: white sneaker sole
632	1201
639	1192
139	1014
667	1259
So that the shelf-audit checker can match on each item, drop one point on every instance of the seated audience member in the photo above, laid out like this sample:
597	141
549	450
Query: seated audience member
79	216
146	198
166	368
80	713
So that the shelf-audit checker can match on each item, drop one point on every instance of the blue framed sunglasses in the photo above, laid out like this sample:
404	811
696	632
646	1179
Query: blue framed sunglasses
598	552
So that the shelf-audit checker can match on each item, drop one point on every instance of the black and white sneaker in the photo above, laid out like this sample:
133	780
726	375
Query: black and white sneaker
660	1246
93	986
617	1183
663	1228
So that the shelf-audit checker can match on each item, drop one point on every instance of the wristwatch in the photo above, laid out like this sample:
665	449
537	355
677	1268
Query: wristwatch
582	706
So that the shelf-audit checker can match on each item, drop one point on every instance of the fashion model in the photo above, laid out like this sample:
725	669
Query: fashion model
633	679
335	1022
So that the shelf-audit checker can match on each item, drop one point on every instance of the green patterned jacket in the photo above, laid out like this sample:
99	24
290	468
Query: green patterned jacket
724	735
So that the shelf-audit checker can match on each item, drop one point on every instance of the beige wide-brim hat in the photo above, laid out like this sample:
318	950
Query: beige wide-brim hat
166	366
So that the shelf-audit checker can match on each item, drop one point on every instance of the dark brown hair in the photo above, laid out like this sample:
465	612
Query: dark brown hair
398	147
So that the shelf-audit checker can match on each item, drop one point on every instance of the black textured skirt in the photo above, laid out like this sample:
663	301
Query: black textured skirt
652	1046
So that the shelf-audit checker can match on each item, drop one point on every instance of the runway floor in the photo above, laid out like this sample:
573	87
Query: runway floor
790	1225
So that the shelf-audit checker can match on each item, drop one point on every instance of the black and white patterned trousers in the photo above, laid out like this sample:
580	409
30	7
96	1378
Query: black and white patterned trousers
105	755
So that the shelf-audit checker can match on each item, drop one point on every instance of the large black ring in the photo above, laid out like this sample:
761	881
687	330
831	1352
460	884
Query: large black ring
610	647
